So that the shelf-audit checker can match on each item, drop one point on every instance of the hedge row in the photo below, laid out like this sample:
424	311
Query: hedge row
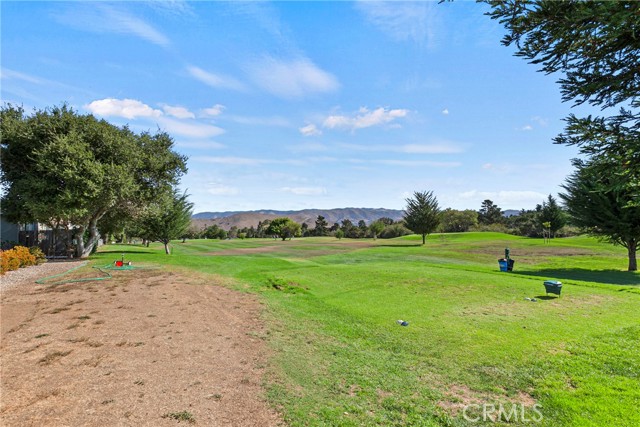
20	256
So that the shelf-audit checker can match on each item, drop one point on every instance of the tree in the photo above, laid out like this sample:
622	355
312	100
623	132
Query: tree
489	213
168	218
305	229
599	206
453	221
350	230
395	230
594	43
526	223
62	167
376	228
214	232
283	227
322	227
596	47
386	220
551	213
612	140
422	214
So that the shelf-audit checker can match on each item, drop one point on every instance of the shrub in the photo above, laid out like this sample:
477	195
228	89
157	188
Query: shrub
395	230
25	256
15	258
38	254
4	262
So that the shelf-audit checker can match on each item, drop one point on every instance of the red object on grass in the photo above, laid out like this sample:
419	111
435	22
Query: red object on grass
119	263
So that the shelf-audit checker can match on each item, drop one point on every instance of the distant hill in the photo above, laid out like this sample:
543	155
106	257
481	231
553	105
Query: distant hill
226	220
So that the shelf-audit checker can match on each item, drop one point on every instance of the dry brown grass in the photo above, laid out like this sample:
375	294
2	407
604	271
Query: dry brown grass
90	354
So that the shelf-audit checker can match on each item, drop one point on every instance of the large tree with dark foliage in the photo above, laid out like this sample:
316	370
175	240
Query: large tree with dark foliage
62	167
422	214
599	205
553	214
489	213
595	45
322	227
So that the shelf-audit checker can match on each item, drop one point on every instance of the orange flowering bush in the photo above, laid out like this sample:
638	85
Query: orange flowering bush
16	258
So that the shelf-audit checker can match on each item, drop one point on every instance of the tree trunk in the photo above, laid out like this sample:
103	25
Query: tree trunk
633	262
84	250
78	238
424	239
94	236
166	248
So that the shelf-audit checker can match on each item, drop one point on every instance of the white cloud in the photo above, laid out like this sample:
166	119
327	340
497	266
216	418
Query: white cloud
216	110
178	112
291	79
8	74
540	120
205	145
12	75
364	118
127	108
445	111
441	148
218	189
308	147
172	7
102	18
217	81
444	147
123	22
189	129
245	161
526	127
414	163
305	191
310	130
416	21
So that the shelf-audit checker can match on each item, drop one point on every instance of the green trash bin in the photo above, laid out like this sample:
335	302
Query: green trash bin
553	287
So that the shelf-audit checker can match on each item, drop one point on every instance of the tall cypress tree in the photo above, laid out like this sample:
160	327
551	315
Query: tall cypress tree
422	214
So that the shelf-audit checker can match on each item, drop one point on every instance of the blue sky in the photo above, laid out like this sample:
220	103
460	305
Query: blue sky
294	105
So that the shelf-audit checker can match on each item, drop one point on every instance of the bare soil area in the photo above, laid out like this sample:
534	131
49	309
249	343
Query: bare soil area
146	348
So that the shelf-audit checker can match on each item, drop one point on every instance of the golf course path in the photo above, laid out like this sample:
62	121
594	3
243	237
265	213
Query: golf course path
145	348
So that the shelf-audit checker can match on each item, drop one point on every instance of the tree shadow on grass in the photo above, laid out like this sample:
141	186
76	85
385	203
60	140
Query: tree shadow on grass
612	277
403	245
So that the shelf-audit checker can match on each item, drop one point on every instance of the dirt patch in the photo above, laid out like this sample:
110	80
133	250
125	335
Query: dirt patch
458	397
147	348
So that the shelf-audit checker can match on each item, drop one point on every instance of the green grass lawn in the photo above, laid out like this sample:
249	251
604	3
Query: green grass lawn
340	359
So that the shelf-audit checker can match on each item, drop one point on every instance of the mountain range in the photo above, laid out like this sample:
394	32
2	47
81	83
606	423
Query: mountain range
241	219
